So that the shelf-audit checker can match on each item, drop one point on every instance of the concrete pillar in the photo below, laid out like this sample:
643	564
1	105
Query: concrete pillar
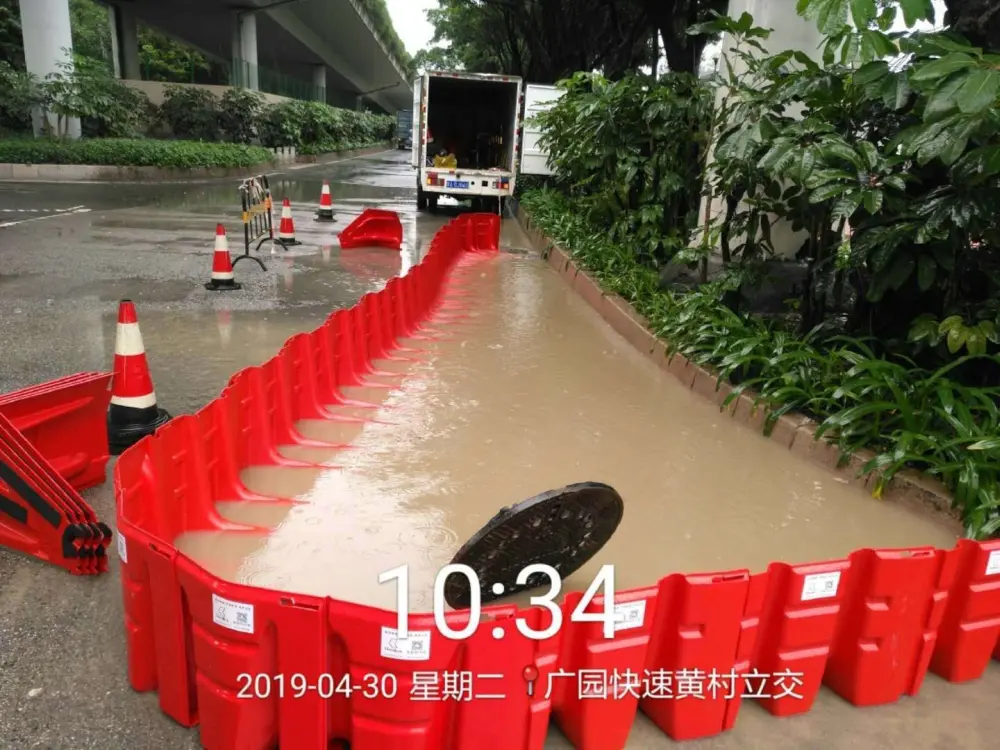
48	41
319	82
789	31
248	50
125	42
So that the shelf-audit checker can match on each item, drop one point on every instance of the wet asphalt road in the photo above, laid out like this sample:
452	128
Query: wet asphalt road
68	253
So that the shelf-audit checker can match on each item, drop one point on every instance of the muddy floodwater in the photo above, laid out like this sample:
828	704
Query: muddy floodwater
533	391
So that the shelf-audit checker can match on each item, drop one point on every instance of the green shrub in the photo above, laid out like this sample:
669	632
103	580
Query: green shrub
19	93
106	107
192	113
131	153
240	114
909	416
307	124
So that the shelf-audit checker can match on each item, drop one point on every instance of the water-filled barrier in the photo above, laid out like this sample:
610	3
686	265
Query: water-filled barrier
259	669
375	227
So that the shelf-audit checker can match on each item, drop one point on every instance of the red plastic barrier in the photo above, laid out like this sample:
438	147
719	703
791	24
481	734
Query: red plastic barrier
41	514
701	646
66	420
800	608
598	683
891	615
373	228
969	631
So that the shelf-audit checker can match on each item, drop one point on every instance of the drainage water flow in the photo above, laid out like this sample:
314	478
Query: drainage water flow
530	392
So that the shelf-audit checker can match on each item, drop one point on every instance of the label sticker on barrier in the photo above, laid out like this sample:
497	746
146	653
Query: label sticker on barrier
416	646
122	548
820	586
993	563
630	615
232	615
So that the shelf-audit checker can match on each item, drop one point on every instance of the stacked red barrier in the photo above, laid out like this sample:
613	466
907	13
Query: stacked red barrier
54	443
259	668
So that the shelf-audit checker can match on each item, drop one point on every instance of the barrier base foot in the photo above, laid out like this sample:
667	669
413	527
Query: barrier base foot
213	286
124	436
258	261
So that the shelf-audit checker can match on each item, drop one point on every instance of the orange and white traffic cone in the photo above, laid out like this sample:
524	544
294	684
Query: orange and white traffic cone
222	265
325	212
132	413
286	229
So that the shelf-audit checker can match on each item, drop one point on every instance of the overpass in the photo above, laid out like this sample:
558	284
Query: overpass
330	44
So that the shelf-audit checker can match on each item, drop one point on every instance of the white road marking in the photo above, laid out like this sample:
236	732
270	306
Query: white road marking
62	212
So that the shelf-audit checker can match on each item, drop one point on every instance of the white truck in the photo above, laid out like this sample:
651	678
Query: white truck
479	119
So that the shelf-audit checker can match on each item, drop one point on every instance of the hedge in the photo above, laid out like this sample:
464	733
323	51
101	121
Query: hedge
124	152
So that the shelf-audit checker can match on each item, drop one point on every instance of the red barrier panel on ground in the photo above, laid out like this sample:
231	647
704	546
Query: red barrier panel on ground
800	612
66	421
699	648
686	651
373	228
889	623
971	625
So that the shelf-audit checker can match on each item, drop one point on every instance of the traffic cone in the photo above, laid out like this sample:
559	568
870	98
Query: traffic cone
132	413
286	229
325	212
222	264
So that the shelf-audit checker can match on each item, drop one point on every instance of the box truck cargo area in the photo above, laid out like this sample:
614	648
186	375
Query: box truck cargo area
469	130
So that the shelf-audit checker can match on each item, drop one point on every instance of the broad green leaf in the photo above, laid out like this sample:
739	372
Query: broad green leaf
926	272
979	92
913	11
862	12
956	339
944	98
873	201
871	72
943	66
951	323
902	269
826	192
832	17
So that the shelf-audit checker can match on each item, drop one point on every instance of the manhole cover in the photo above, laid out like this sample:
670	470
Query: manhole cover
562	528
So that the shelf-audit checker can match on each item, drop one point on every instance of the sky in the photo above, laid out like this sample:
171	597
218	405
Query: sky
408	16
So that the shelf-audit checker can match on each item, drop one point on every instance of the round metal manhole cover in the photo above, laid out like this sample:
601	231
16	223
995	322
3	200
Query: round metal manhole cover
561	528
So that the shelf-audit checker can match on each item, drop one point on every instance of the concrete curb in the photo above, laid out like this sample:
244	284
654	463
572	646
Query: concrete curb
795	432
100	173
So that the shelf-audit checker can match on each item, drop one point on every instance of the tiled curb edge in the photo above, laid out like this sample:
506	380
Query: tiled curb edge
795	431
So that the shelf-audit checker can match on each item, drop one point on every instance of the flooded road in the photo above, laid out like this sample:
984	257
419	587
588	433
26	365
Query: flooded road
503	411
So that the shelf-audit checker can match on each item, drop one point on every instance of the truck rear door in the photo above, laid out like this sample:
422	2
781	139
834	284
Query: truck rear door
537	98
417	150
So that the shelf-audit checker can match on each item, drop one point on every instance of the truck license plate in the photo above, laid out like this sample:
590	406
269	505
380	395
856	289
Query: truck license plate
461	184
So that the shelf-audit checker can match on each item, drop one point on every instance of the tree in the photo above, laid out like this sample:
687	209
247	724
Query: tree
976	20
673	19
545	40
541	40
436	58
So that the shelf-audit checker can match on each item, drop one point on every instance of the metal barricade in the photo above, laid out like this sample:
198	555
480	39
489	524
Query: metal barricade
258	221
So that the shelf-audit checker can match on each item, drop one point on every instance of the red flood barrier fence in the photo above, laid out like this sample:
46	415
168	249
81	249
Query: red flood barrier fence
53	443
375	227
258	669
